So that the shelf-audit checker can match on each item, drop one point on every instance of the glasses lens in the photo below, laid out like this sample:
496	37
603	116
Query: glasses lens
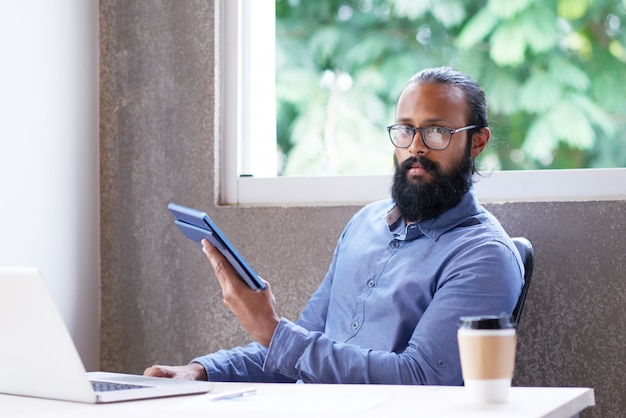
401	135
436	137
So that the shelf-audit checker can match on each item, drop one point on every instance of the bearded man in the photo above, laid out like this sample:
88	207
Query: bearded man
404	270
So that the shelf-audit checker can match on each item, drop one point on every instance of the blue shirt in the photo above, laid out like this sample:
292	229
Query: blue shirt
387	310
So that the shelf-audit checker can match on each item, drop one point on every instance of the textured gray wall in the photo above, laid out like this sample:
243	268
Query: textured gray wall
160	303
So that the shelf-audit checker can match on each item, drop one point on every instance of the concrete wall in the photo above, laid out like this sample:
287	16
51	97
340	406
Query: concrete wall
160	302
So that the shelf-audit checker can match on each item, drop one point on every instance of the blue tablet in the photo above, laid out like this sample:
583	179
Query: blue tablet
197	225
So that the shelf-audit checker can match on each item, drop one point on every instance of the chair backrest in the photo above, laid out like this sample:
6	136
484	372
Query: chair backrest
527	252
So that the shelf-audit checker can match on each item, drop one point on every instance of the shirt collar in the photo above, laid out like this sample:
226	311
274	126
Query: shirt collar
435	227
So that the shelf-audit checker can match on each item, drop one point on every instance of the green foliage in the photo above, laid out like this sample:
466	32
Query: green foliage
553	72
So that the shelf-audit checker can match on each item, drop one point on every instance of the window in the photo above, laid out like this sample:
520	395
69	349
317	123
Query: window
243	181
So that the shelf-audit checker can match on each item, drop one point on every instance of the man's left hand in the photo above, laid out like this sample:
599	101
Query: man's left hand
255	309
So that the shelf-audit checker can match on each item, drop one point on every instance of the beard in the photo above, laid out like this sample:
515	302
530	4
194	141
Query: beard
418	200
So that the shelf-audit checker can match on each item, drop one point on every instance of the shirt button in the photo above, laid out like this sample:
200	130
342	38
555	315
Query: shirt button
395	244
355	325
370	283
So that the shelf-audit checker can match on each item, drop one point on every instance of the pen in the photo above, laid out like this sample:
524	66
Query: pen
232	394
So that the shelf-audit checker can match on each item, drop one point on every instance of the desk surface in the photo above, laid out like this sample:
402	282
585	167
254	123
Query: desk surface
288	400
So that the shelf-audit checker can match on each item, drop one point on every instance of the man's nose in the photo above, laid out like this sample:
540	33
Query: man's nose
418	147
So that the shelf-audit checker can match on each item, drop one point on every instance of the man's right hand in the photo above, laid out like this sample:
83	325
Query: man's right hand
193	371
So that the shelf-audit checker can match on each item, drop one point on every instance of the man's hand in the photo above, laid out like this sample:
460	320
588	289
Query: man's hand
193	371
254	309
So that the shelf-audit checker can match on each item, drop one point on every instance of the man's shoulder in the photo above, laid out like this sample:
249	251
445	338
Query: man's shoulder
483	232
476	225
489	221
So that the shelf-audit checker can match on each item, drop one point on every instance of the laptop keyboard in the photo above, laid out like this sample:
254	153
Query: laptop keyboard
110	386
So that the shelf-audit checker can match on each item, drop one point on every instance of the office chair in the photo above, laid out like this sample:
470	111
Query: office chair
527	252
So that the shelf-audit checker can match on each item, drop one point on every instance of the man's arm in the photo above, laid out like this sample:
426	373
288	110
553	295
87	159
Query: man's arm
241	364
256	312
485	280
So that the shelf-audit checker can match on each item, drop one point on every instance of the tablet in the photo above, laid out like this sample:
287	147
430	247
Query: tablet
197	225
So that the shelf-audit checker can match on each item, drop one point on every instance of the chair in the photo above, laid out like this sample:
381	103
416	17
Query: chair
527	252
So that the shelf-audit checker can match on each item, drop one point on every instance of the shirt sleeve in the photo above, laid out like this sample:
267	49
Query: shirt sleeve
481	280
241	364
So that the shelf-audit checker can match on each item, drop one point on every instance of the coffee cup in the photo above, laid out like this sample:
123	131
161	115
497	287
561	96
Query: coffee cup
487	347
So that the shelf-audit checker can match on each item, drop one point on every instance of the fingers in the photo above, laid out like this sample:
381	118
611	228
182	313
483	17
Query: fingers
158	371
194	371
224	272
220	267
216	258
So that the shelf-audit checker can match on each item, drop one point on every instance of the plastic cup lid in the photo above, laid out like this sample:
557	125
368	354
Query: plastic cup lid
487	322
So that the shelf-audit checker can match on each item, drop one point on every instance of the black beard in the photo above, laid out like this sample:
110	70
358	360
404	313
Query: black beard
418	200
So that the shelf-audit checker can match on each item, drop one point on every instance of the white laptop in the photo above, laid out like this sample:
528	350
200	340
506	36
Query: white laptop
38	357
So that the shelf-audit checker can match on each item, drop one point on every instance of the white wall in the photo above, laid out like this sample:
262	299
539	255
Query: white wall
49	213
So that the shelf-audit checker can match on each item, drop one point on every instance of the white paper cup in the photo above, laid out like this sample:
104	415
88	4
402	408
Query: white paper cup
487	348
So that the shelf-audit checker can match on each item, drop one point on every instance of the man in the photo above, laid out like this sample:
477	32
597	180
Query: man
404	269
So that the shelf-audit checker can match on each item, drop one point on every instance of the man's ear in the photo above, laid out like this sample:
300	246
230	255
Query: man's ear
479	141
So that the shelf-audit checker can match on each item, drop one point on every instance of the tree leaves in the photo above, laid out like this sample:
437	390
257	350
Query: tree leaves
552	70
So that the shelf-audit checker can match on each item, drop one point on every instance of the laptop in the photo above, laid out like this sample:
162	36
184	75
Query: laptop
38	357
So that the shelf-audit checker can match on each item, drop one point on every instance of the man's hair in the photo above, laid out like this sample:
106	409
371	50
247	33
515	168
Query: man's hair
474	95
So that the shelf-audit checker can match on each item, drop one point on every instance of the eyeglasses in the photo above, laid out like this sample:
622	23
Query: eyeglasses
434	137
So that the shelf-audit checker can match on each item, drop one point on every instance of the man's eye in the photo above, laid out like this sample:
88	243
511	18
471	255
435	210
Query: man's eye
406	131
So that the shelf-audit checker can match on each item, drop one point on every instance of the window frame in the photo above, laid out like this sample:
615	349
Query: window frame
235	189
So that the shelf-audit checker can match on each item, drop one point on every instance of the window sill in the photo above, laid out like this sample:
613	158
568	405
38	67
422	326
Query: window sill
499	186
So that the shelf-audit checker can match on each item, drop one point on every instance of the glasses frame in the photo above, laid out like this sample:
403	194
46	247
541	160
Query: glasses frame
421	131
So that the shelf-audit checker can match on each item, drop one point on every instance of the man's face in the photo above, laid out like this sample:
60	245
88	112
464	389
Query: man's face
428	182
432	104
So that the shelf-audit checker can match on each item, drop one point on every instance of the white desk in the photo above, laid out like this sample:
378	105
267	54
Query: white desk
292	400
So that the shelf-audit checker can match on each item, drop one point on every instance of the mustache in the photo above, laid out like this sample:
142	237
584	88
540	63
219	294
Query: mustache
422	161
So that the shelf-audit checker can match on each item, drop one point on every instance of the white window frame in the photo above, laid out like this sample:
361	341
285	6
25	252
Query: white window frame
233	133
